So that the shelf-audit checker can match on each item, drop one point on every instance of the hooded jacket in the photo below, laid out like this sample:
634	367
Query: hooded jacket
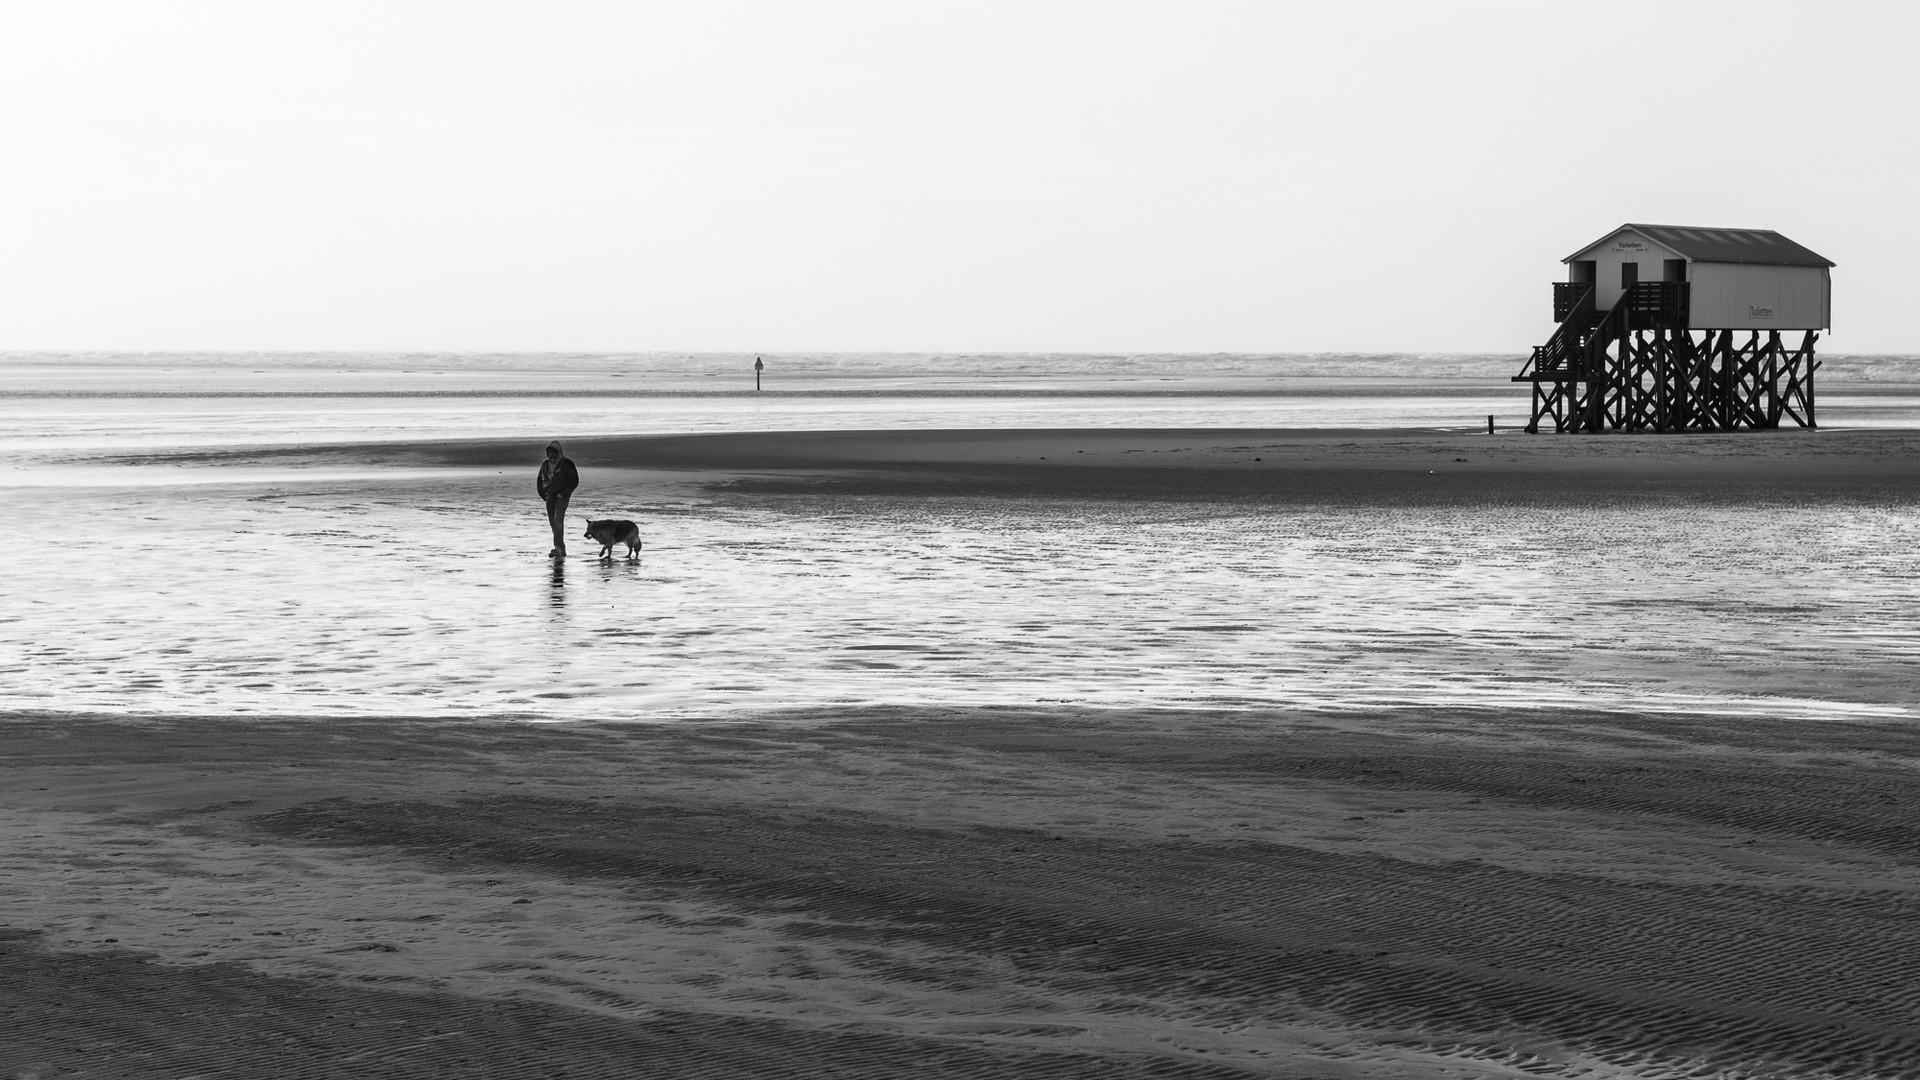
557	476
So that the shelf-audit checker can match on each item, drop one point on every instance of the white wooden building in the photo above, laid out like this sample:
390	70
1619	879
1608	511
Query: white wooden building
1737	279
1678	328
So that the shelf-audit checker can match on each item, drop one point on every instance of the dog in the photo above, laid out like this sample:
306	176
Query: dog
611	531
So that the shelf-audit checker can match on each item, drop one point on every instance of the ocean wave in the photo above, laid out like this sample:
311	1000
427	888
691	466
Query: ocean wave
826	364
1842	368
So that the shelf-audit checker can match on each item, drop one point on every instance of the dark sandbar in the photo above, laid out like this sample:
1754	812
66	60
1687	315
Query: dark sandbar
1209	462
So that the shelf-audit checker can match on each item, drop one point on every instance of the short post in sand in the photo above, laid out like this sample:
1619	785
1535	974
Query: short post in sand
758	367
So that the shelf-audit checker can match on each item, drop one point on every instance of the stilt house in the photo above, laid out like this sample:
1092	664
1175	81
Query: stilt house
1672	328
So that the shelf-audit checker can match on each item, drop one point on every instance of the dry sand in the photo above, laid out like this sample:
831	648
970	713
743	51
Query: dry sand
992	893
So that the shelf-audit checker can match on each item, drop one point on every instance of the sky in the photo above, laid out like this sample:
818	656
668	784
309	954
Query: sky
922	175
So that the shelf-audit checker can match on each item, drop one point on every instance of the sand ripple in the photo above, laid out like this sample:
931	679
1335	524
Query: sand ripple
984	893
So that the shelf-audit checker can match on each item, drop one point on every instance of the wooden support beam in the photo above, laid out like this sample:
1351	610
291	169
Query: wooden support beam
1661	378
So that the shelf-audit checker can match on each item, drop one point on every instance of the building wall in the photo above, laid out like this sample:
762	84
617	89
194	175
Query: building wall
1725	296
1737	296
1628	246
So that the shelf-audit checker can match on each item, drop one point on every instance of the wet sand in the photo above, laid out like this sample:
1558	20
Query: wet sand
964	894
993	892
1327	464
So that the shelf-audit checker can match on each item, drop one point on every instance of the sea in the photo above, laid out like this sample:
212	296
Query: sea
155	572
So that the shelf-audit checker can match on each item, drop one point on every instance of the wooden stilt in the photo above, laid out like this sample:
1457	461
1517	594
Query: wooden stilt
1621	372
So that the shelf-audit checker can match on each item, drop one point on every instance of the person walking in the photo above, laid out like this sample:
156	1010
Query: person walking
555	484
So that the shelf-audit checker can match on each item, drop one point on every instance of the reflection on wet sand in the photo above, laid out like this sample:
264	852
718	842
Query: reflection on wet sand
894	594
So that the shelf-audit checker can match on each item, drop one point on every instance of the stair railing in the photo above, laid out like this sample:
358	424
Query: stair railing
1552	357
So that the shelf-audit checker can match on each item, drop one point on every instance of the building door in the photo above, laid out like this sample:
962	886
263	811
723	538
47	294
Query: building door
1629	275
1673	270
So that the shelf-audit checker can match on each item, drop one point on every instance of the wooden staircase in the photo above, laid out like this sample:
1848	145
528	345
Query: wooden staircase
1574	374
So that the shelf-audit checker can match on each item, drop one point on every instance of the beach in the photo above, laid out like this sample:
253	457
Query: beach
963	893
1677	841
958	541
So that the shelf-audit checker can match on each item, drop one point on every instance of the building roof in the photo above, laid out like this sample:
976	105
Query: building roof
1762	246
